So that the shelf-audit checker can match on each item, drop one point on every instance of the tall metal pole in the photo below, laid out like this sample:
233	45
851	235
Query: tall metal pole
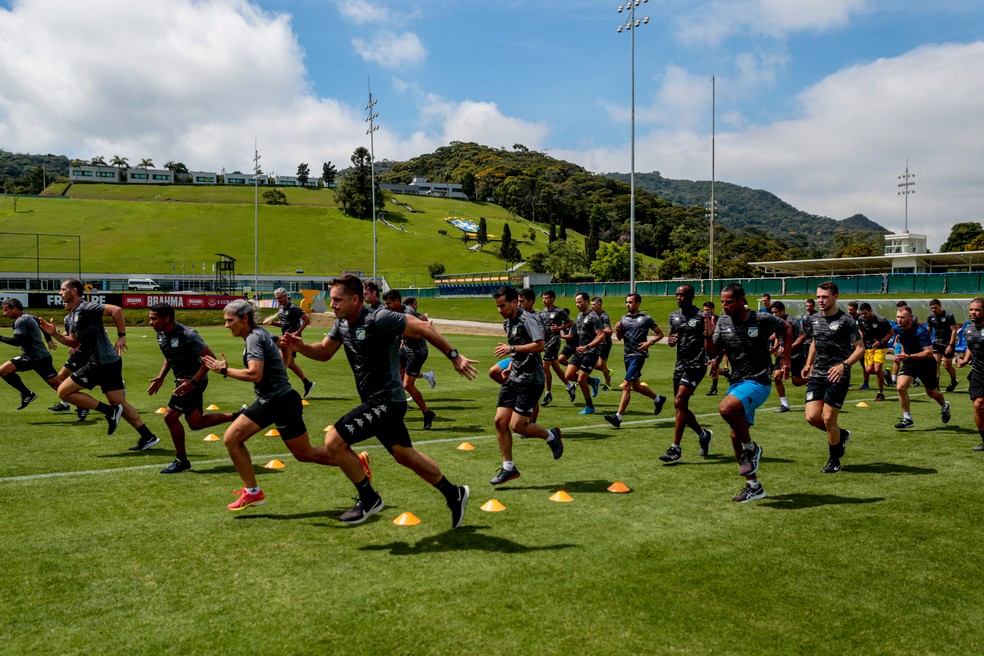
256	218
370	119
710	268
905	185
631	26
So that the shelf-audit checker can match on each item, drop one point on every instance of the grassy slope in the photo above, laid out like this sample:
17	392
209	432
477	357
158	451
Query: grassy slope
172	226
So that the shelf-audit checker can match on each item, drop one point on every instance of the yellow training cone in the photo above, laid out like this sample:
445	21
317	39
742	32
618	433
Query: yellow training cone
305	402
407	519
644	384
562	497
862	404
212	406
273	432
160	411
274	464
493	505
618	487
329	427
465	446
211	437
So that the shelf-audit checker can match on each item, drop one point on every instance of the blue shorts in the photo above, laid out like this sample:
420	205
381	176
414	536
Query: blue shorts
752	395
502	364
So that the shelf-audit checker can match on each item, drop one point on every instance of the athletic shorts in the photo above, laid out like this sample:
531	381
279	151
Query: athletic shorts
188	403
584	361
504	363
752	395
43	367
74	361
378	419
568	352
605	350
832	394
521	398
976	384
796	365
633	368
412	362
874	356
924	370
940	349
689	377
551	350
286	412
109	377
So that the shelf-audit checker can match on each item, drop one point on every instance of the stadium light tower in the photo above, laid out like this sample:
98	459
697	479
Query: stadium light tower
256	219
370	119
631	25
712	206
905	185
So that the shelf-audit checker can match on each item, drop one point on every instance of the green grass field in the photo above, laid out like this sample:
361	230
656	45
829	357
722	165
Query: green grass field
103	555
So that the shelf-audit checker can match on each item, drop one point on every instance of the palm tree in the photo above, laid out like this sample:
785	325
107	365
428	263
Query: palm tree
146	163
176	167
119	162
98	160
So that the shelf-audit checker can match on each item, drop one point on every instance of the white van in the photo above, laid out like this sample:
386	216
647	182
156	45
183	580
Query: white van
142	285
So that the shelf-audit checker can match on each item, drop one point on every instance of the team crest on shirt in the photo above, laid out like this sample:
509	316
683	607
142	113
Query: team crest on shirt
692	323
515	329
360	333
175	342
834	325
753	331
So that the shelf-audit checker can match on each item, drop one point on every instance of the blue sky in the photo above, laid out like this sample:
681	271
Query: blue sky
818	101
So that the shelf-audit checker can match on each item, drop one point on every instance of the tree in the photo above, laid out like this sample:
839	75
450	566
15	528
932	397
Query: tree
435	269
537	262
976	244
961	234
328	173
355	191
612	262
593	239
858	250
482	236
468	184
98	160
120	162
562	235
179	167
146	163
303	172
274	197
508	250
566	259
552	235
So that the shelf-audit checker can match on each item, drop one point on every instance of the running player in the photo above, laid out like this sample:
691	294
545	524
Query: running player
413	355
876	332
709	312
555	321
71	365
944	326
411	302
606	346
590	335
916	361
797	355
633	329
34	352
974	356
836	346
292	319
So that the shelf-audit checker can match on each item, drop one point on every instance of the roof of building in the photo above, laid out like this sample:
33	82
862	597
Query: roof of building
872	264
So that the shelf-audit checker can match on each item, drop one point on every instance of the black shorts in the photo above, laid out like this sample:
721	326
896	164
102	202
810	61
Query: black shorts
188	403
286	412
568	352
109	377
796	364
832	394
940	349
976	384
584	361
378	419
689	378
412	362
551	350
74	361
43	366
924	370
605	351
521	398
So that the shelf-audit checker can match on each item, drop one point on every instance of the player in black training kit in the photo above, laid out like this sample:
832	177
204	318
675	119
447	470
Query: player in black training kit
590	336
876	332
974	356
633	329
555	321
370	339
413	355
606	346
836	346
34	352
292	319
944	326
797	355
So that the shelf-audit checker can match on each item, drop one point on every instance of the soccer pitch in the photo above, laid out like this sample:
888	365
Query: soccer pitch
103	555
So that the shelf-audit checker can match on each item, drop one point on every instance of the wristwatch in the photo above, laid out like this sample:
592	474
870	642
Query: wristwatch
512	349
224	371
453	354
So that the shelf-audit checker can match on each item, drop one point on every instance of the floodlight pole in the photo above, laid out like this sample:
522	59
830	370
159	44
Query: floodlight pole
256	218
631	25
370	119
907	182
710	257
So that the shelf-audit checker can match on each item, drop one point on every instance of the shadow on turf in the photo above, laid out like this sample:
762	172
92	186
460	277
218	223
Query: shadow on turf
460	539
572	487
801	501
888	468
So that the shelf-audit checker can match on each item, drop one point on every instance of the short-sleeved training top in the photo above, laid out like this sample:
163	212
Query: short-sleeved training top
688	326
974	336
805	322
290	317
588	326
416	345
91	334
606	322
942	326
181	348
555	317
261	346
796	328
371	345
833	339
524	328
877	330
747	345
915	339
635	331
29	338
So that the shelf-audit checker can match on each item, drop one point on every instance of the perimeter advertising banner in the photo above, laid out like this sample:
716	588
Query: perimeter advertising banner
135	301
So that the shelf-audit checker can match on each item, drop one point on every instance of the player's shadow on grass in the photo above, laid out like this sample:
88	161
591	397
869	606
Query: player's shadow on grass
889	468
231	469
462	539
801	501
573	487
712	459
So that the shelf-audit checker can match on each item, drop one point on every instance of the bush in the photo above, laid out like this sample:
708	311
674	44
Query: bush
436	269
274	197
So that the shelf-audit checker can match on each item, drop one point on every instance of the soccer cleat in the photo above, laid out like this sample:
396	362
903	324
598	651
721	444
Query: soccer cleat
458	506
750	494
672	454
781	409
308	386
979	447
177	467
713	391
572	392
364	459
945	412
113	418
916	383
606	387
246	500
832	467
880	396
547	400
60	407
429	419
146	443
705	442
26	400
845	438
952	386
864	386
748	463
726	373
358	513
905	422
595	384
587	410
556	444
658	404
613	420
429	377
504	476
82	413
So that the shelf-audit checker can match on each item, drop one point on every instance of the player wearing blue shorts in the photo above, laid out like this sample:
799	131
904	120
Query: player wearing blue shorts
973	336
633	329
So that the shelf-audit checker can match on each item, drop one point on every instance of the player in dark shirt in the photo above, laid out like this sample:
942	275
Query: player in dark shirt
876	332
606	346
836	346
34	352
744	336
555	321
413	355
944	326
183	350
916	361
797	355
590	336
974	356
292	319
853	309
370	339
714	363
633	329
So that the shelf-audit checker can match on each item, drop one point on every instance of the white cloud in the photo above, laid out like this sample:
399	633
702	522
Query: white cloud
362	12
391	50
713	22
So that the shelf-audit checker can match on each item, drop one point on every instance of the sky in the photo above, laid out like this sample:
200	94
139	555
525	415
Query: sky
821	102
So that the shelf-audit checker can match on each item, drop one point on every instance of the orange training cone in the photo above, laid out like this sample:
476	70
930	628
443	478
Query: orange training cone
618	487
465	446
305	402
329	427
160	411
211	437
274	464
273	432
493	505
212	406
407	519
562	497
